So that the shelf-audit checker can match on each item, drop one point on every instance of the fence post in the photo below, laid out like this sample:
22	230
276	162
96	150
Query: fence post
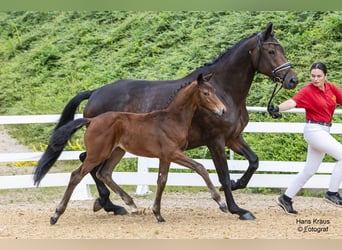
142	168
231	154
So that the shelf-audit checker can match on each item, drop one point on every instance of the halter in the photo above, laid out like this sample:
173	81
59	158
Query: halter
286	66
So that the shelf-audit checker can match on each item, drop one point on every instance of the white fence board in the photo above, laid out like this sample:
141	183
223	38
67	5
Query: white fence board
35	156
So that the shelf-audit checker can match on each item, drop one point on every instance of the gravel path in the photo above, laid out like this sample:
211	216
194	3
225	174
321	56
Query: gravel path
9	144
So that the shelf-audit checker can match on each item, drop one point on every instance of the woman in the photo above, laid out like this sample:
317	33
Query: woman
319	99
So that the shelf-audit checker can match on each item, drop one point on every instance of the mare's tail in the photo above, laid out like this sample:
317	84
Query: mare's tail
69	110
56	145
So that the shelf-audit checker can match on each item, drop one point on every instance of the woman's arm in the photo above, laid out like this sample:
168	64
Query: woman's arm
274	111
289	104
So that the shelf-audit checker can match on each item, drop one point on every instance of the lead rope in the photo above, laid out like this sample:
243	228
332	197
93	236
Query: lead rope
274	93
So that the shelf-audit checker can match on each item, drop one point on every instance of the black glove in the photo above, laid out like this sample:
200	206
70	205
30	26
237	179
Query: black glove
274	111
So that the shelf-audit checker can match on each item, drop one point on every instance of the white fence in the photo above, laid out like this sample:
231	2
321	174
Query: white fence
265	175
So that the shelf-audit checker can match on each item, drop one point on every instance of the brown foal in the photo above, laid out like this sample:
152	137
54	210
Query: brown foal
159	134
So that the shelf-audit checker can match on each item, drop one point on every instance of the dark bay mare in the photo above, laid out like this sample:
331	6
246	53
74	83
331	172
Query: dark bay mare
111	134
233	73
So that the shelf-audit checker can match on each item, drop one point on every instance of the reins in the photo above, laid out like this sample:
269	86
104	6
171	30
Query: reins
274	93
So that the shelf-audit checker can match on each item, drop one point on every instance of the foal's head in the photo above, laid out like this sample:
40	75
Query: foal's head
207	97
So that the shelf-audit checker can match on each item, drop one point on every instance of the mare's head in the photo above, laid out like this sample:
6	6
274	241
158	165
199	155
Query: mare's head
268	58
206	95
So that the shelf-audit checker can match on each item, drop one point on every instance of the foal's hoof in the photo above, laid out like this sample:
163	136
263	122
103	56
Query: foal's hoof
53	220
158	216
160	219
247	216
224	208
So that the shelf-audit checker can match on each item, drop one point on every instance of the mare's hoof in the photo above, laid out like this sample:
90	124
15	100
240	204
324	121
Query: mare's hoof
97	205
233	184
82	156
118	210
247	216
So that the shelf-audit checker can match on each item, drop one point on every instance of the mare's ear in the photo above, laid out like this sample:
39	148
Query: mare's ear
200	79
269	32
205	78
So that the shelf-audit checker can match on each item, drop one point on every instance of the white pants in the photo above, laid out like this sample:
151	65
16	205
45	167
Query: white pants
320	142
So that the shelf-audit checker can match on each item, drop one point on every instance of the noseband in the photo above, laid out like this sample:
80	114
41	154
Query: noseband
286	66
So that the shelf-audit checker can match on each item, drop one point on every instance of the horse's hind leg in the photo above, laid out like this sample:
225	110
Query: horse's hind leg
242	148
75	178
162	179
182	159
103	201
105	174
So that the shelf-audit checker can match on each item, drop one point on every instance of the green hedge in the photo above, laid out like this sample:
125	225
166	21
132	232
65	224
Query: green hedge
48	57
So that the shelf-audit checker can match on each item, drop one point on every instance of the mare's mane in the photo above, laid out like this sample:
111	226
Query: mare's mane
176	92
226	52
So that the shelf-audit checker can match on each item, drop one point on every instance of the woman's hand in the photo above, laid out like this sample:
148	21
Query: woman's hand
274	111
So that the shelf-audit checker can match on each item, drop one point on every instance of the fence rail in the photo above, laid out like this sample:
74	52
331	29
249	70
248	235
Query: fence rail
274	174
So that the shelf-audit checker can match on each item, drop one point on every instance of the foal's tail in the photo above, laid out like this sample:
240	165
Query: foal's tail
56	145
69	110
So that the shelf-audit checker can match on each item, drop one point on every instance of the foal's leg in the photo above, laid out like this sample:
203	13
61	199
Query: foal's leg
181	158
105	174
162	178
103	201
75	178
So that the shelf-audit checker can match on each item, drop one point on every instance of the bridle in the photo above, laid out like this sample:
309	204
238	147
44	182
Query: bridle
286	66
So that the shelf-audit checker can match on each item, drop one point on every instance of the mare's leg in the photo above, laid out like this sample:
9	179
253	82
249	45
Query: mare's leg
104	174
161	182
103	201
241	147
75	178
218	154
180	158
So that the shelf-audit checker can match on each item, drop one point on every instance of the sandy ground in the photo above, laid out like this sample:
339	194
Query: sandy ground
25	214
188	216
